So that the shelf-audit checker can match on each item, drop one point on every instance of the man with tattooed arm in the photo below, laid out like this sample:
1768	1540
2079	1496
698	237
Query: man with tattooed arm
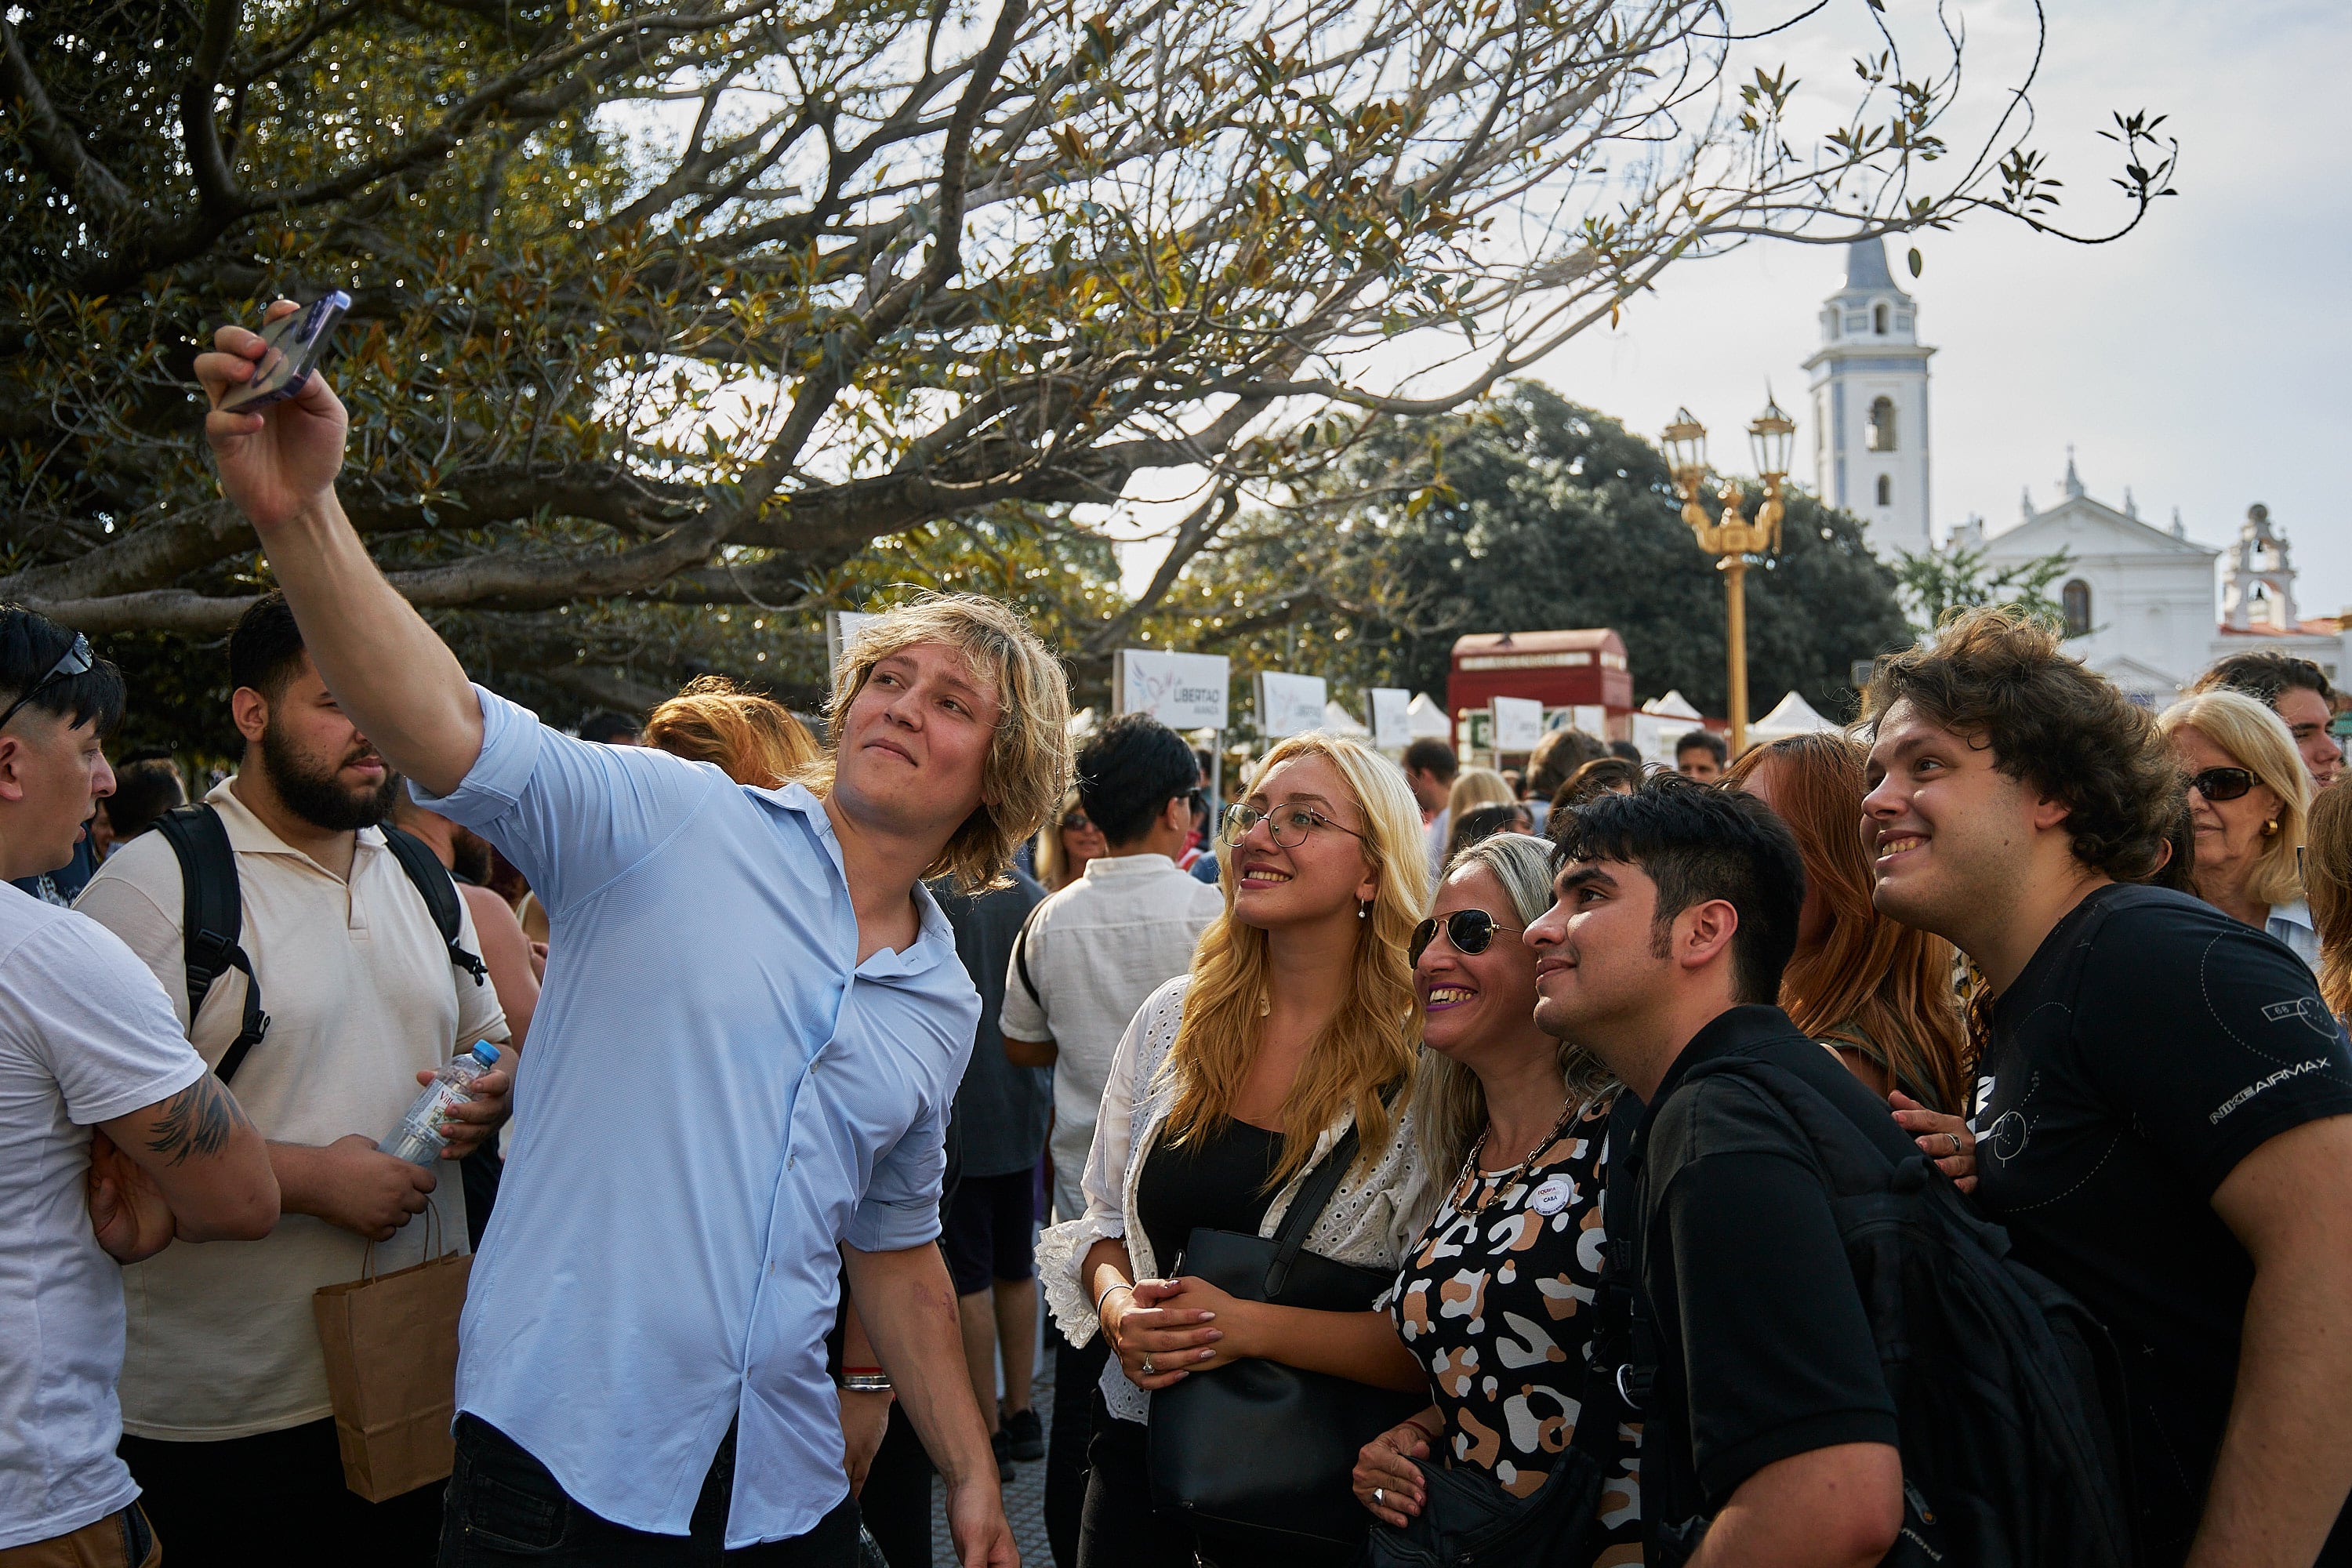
99	1095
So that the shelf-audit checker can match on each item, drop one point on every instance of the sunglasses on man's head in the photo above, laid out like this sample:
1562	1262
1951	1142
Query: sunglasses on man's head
2222	783
1471	931
76	660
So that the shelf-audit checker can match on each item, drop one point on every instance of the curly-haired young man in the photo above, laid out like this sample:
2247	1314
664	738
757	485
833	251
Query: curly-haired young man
2297	690
2169	1133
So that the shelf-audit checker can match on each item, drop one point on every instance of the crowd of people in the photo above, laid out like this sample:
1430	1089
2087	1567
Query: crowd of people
1930	1143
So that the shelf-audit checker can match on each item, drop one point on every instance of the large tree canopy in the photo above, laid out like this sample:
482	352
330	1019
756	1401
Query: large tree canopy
674	303
1542	515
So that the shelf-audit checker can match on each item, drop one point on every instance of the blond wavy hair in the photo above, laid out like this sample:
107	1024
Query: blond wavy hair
754	740
2327	883
1475	787
2258	740
1365	1053
1028	763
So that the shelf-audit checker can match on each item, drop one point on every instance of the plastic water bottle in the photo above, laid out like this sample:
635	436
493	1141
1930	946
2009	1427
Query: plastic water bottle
417	1139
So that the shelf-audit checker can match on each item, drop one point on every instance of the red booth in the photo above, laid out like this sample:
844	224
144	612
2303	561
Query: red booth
1559	669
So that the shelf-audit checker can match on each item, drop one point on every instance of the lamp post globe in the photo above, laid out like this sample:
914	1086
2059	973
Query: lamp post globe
1773	437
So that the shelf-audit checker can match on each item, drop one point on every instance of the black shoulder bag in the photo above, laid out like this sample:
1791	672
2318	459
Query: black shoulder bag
1257	1456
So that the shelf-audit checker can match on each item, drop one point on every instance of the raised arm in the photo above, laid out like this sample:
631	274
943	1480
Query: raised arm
386	668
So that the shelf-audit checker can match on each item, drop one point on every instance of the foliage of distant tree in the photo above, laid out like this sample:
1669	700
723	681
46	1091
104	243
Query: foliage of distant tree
1939	583
670	306
1534	514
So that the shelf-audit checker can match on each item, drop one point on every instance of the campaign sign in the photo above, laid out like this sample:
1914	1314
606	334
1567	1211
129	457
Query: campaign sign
1289	704
1518	724
1182	691
1392	717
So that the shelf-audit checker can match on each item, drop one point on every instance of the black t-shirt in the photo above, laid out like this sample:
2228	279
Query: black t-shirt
2151	1044
1216	1179
1764	1350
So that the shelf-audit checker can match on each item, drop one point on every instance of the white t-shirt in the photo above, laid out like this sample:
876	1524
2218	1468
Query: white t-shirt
86	1034
361	993
1096	950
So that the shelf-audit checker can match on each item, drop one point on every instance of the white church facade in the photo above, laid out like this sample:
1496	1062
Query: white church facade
2141	600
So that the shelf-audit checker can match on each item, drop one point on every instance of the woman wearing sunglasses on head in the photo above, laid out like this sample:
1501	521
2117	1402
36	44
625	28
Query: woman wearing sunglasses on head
2249	796
1277	1065
1496	1300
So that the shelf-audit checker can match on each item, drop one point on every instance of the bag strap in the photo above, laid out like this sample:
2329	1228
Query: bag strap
1625	1351
1314	1194
212	918
439	890
1021	953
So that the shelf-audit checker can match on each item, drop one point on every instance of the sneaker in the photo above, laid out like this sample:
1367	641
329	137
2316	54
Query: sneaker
1026	1436
1001	1441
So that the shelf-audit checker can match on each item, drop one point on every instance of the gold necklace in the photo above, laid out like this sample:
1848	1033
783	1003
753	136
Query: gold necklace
1472	1175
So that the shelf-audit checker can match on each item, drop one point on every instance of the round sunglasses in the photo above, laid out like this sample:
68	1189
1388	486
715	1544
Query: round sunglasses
1471	931
2222	783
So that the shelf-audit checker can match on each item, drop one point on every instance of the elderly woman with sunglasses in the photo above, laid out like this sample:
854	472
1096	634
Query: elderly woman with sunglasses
2249	799
1497	1298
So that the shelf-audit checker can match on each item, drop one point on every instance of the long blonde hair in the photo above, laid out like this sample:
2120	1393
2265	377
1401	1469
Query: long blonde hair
1367	1050
1449	1103
1028	764
1054	861
2259	742
2327	882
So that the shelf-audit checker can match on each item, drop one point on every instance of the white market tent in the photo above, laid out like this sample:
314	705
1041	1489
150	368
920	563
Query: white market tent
1338	720
1794	716
1428	719
1673	705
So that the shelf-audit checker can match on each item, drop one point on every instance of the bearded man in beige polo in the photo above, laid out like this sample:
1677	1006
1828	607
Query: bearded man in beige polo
228	1426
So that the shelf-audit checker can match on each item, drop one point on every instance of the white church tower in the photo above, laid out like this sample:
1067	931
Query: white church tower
1870	405
2258	584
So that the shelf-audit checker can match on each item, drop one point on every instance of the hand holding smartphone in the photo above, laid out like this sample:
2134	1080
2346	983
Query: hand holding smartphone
292	347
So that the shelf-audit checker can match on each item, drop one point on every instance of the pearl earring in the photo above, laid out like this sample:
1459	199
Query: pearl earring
1363	912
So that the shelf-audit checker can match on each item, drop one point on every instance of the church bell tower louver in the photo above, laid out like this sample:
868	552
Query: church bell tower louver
1870	405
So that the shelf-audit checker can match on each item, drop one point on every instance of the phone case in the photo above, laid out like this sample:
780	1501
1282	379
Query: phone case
292	349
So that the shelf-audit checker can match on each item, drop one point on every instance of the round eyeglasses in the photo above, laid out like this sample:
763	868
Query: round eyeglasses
1472	933
1290	825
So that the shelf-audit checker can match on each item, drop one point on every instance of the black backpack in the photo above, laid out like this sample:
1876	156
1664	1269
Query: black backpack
2008	1393
214	917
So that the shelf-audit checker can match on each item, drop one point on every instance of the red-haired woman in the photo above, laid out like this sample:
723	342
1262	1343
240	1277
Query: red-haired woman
1876	992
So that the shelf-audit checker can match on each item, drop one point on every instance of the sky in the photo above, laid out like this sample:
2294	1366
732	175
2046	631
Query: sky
2200	361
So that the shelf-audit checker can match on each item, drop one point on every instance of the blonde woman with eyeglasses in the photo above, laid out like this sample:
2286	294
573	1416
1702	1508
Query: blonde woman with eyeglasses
1296	1025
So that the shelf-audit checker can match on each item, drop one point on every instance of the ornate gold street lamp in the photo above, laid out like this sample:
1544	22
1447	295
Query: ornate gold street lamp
1731	537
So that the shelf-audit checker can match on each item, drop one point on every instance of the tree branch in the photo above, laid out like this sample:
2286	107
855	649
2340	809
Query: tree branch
56	149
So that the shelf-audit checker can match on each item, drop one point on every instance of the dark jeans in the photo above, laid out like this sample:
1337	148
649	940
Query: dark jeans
896	1502
278	1496
1117	1528
504	1508
1076	1372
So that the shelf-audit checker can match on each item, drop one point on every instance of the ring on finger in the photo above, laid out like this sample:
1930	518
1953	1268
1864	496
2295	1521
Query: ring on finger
1380	1498
1957	1145
1148	1370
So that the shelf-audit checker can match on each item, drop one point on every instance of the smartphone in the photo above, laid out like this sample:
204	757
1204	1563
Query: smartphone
291	348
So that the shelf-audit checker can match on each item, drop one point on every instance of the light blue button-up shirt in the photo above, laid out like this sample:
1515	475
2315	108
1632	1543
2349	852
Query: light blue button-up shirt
716	1094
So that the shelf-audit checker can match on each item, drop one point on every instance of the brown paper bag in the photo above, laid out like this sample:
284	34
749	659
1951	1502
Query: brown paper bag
391	1342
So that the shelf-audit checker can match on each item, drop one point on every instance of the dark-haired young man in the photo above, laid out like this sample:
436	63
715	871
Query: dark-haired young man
1700	756
2167	1133
114	1138
607	728
229	1422
1090	955
146	785
2297	690
1676	910
1431	767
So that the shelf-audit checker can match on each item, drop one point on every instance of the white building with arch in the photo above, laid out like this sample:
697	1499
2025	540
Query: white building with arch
1870	405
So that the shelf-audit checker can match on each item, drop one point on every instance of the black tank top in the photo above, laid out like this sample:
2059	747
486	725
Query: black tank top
1216	1179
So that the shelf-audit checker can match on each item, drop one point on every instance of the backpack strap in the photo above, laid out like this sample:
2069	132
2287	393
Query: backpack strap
212	918
439	890
1021	952
1305	1209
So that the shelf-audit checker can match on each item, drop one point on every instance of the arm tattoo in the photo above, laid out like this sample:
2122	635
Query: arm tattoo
197	1120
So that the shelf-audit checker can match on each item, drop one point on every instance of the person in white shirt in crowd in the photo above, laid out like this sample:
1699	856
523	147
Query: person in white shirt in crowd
1085	964
114	1138
229	1426
2250	806
743	1058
